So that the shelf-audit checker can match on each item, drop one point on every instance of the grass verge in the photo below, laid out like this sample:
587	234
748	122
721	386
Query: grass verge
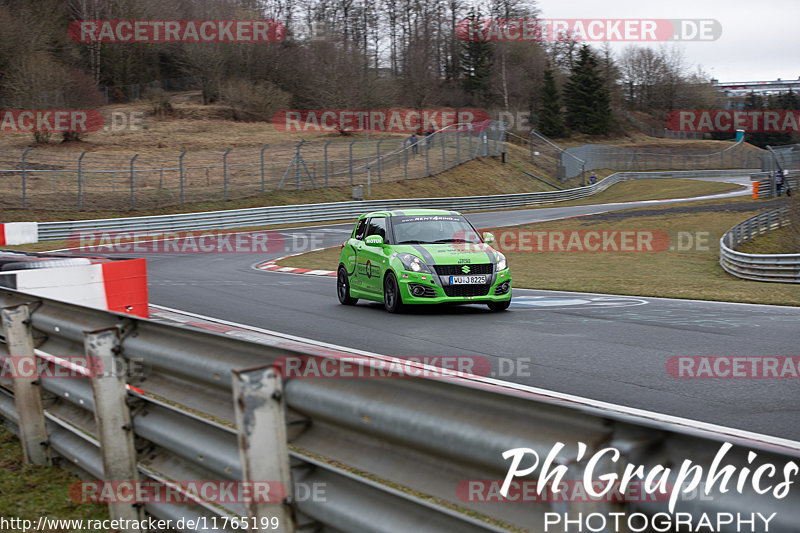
30	491
687	270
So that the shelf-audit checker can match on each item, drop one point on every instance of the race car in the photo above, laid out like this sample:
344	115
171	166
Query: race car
421	256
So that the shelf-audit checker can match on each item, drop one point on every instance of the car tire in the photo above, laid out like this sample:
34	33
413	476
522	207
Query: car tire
343	288
392	299
496	307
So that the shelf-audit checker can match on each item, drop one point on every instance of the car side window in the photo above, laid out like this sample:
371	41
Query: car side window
361	228
377	226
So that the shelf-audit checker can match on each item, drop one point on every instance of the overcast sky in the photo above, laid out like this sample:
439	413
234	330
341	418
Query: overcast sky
760	38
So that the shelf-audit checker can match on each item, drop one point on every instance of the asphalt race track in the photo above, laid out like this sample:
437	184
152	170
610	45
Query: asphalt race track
605	347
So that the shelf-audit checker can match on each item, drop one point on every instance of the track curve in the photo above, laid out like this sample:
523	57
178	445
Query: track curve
605	347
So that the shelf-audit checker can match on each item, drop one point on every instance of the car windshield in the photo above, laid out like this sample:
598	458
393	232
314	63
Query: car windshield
433	229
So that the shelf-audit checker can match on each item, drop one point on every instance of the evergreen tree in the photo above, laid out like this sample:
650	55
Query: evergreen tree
586	96
550	122
476	64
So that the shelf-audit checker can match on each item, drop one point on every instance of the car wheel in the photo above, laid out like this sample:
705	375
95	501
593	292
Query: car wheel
343	288
499	306
392	300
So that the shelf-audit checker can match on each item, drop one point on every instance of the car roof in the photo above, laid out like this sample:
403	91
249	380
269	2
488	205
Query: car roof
409	212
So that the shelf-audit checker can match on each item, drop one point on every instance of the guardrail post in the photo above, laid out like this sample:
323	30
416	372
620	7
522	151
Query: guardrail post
113	418
24	177
262	166
225	174
263	448
180	166
133	183
80	181
326	162
27	394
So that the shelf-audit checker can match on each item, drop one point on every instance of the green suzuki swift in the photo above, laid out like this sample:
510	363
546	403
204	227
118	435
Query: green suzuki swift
421	256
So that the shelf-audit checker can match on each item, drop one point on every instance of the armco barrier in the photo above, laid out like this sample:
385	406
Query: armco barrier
784	268
290	214
390	455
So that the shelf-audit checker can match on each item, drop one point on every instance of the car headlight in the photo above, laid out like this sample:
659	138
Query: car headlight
413	263
501	262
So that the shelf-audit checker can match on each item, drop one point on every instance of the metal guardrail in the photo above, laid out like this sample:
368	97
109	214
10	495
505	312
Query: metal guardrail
264	216
784	268
391	454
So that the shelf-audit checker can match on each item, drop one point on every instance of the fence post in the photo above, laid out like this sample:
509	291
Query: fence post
458	145
297	159
133	183
225	174
80	181
405	160
180	166
24	177
27	395
351	161
262	167
444	156
379	159
263	449
325	164
428	156
113	418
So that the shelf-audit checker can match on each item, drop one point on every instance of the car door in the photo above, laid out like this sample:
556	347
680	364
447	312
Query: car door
356	245
372	260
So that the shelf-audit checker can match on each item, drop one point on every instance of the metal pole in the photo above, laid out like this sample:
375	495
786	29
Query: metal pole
262	166
351	161
444	156
405	161
427	156
379	159
369	177
24	178
225	174
326	162
458	146
133	183
80	181
180	165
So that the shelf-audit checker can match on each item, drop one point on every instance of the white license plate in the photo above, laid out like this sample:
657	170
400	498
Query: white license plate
467	280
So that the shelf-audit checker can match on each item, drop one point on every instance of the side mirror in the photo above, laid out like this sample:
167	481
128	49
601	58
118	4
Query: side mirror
488	238
374	240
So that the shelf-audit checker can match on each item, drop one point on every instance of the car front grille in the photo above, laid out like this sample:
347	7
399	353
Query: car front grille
457	270
466	290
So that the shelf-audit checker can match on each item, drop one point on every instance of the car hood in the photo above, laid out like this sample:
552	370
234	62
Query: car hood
451	253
